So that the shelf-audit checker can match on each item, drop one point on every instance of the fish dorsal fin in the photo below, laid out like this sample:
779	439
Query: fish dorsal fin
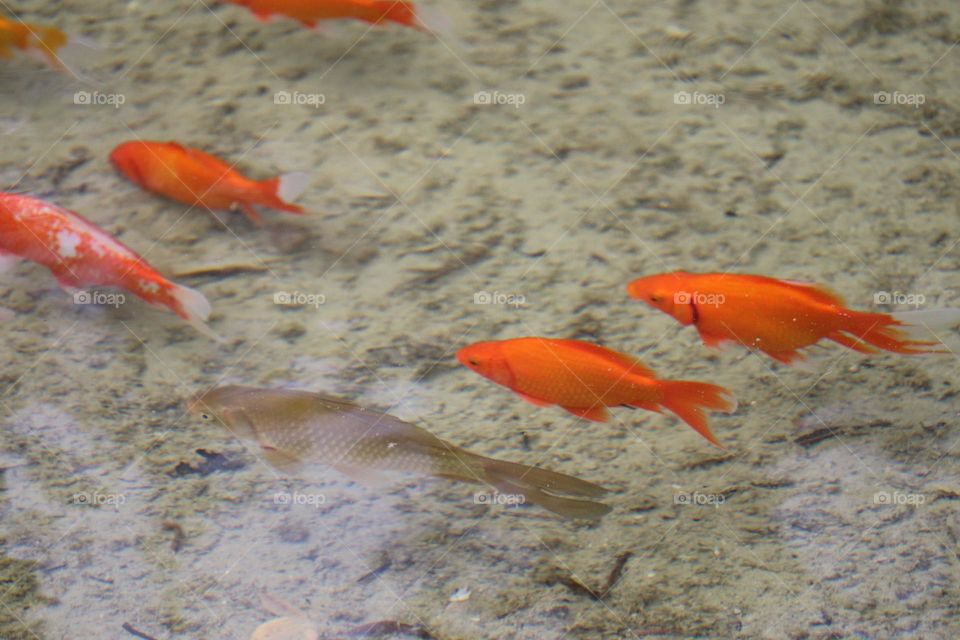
821	293
631	363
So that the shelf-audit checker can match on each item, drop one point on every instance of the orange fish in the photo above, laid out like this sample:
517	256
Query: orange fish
585	379
195	178
32	38
780	317
80	254
310	12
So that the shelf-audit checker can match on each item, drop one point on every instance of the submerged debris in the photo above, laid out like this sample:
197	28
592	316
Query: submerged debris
212	462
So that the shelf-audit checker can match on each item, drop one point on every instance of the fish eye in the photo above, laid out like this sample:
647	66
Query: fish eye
206	416
654	297
474	361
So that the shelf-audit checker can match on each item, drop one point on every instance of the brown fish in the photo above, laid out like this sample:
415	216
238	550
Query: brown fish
297	427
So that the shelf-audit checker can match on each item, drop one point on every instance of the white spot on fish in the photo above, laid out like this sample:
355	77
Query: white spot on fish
149	287
67	243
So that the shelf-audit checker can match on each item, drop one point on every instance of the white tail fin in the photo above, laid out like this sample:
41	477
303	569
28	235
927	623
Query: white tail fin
435	21
193	306
922	324
293	184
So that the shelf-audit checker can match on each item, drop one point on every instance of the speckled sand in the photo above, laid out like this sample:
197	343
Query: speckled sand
421	200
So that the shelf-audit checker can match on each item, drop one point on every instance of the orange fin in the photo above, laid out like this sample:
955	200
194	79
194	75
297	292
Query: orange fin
687	400
252	213
534	401
791	358
597	413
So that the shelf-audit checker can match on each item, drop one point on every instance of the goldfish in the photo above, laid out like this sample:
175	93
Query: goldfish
32	38
294	428
781	317
310	12
585	379
80	254
196	178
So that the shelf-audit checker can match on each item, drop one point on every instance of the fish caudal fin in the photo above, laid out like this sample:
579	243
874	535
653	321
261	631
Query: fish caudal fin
898	333
279	191
416	16
687	400
193	306
548	489
432	20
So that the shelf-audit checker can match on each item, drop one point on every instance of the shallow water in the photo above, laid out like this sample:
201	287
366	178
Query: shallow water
832	514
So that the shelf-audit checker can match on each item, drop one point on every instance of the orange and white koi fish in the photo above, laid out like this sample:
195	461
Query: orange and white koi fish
585	379
310	12
780	317
193	177
80	254
31	38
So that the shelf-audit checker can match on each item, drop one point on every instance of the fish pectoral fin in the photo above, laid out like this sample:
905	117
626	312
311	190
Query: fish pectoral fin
369	478
279	460
596	413
252	214
534	401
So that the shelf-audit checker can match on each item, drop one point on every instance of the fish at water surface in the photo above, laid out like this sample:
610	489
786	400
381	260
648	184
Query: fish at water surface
294	428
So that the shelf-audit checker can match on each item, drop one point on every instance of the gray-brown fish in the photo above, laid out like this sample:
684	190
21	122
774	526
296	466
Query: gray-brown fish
297	427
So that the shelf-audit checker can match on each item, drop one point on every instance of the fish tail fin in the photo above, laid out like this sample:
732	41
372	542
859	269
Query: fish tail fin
278	192
899	332
193	306
433	20
65	53
416	16
687	400
547	489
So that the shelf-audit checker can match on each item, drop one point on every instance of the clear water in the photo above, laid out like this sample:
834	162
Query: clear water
589	167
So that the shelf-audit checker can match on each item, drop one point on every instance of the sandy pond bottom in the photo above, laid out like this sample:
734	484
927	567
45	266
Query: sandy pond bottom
833	513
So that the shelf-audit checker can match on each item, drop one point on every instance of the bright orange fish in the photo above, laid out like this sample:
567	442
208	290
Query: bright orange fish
196	178
780	317
310	12
585	379
32	38
80	254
